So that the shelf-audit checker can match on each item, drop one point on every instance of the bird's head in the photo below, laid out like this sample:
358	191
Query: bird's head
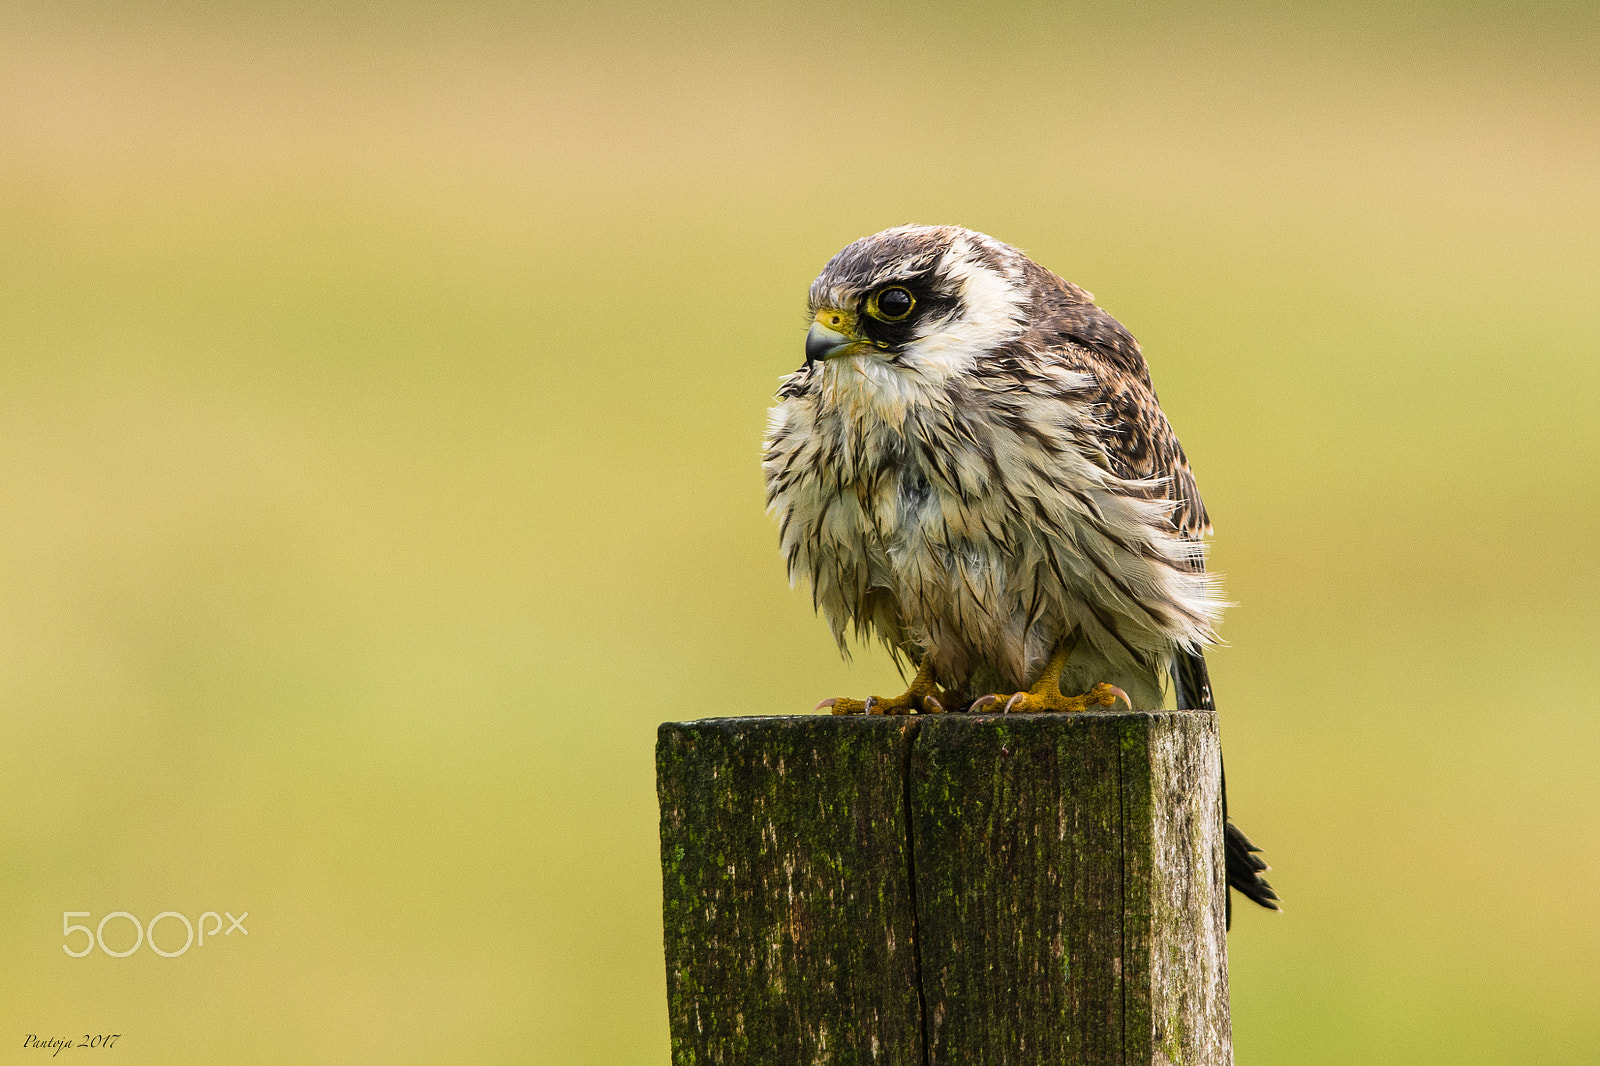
917	301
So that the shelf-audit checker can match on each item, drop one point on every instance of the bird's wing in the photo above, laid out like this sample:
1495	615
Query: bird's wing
1136	440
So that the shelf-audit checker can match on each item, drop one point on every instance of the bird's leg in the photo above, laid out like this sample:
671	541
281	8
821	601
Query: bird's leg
922	697
1045	695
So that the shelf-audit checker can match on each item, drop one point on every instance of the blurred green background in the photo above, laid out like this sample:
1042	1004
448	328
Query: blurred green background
380	397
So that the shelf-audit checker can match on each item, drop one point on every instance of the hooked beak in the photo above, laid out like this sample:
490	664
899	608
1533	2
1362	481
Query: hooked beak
822	342
833	333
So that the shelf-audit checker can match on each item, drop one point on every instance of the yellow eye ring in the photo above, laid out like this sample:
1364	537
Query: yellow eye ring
893	303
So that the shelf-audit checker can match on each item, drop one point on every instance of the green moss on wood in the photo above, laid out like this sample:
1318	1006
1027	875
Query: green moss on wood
787	900
1048	894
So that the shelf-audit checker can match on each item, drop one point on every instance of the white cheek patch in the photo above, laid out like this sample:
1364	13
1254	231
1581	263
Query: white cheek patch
991	316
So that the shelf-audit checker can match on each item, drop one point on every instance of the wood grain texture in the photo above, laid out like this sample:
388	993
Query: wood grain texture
787	899
945	890
1175	928
1019	874
1069	888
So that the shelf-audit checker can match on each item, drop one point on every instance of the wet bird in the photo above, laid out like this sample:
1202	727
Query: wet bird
972	467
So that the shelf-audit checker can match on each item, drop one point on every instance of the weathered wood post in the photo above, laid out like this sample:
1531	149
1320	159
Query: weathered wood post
951	889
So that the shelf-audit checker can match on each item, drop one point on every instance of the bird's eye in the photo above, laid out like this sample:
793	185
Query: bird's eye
893	304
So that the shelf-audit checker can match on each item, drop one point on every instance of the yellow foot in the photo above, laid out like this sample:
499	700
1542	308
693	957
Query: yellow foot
1050	699
1046	695
902	704
921	698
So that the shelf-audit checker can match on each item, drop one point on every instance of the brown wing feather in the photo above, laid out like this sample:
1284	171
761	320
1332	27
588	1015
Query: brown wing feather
1136	439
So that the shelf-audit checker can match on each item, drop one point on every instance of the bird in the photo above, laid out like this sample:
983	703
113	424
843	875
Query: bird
972	467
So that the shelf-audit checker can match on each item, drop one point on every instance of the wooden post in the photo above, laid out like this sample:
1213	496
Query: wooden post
952	889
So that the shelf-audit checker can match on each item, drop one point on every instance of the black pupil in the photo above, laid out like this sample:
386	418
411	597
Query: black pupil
894	302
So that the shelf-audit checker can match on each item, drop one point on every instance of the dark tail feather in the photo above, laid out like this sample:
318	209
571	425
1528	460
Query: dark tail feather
1192	683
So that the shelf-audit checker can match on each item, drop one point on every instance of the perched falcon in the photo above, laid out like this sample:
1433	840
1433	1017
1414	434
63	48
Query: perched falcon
972	466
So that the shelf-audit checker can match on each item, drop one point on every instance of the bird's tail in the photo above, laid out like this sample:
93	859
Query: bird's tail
1192	683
